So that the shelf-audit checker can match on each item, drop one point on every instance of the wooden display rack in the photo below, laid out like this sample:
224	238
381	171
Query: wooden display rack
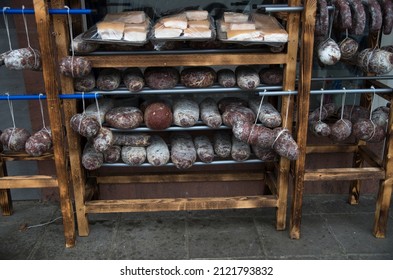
85	186
59	156
377	168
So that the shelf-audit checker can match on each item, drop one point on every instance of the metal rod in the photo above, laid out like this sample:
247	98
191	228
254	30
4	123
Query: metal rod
197	127
278	8
37	96
51	11
388	77
332	91
219	162
182	90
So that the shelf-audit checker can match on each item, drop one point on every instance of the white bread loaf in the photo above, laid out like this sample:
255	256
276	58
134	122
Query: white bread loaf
127	17
242	26
245	35
198	33
177	21
235	17
196	15
160	31
270	27
199	24
135	34
110	30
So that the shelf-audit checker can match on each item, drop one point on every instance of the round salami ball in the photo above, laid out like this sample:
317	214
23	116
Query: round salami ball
15	138
158	116
75	67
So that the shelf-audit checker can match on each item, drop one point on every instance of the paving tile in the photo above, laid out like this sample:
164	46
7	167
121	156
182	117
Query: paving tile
216	237
318	204
354	233
153	215
310	257
370	256
264	212
30	213
315	239
150	239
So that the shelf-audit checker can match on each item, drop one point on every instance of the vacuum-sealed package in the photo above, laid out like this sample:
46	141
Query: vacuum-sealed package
253	28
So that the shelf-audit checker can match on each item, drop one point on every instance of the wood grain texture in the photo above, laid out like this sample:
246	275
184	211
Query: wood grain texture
15	156
303	105
345	174
78	176
180	204
49	64
5	194
327	149
28	181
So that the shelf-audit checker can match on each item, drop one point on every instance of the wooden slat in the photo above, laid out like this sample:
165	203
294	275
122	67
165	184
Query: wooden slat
327	149
50	72
6	202
24	182
13	156
370	157
345	174
186	177
179	204
186	59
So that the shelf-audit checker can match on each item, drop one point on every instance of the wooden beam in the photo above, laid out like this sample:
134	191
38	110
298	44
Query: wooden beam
186	177
327	149
29	181
186	59
14	156
344	174
179	204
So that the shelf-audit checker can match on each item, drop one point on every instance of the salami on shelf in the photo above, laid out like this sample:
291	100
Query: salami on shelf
271	76
14	138
185	112
237	114
226	78
224	102
91	159
198	77
124	117
161	77
247	78
131	139
87	126
39	143
264	154
86	83
284	144
210	115
133	79
204	148
133	155
108	79
112	154
222	144
157	152
240	151
23	59
158	115
103	140
183	153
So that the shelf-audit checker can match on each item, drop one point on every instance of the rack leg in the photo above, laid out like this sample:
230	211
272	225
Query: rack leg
354	189
382	209
282	192
6	202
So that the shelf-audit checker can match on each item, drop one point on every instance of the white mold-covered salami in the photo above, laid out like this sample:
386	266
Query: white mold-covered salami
39	143
158	152
247	77
375	61
103	140
341	130
354	113
2	57
204	148
185	112
240	150
112	154
224	102
235	114
86	83
319	128
210	115
328	110
368	131
14	138
226	78
104	104
268	115
87	126
222	144
23	59
271	76
108	79
264	154
161	77
329	52
380	116
124	117
83	46
284	144
131	139
183	153
133	79
133	155
198	77
91	159
75	67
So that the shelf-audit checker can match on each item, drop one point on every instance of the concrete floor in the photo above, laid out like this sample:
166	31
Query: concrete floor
331	229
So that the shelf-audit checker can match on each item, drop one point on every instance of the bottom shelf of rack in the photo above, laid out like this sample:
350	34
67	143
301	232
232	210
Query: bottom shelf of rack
29	181
180	204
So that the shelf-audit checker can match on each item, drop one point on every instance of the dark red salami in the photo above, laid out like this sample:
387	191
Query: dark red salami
198	77
183	153
87	126
358	17
86	83
161	77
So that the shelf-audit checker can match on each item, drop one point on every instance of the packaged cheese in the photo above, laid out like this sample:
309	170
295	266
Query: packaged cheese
198	33
127	17
196	15
232	17
178	21
110	30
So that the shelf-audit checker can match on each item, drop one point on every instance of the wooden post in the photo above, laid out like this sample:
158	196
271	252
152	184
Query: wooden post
78	176
303	104
55	115
5	194
287	105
